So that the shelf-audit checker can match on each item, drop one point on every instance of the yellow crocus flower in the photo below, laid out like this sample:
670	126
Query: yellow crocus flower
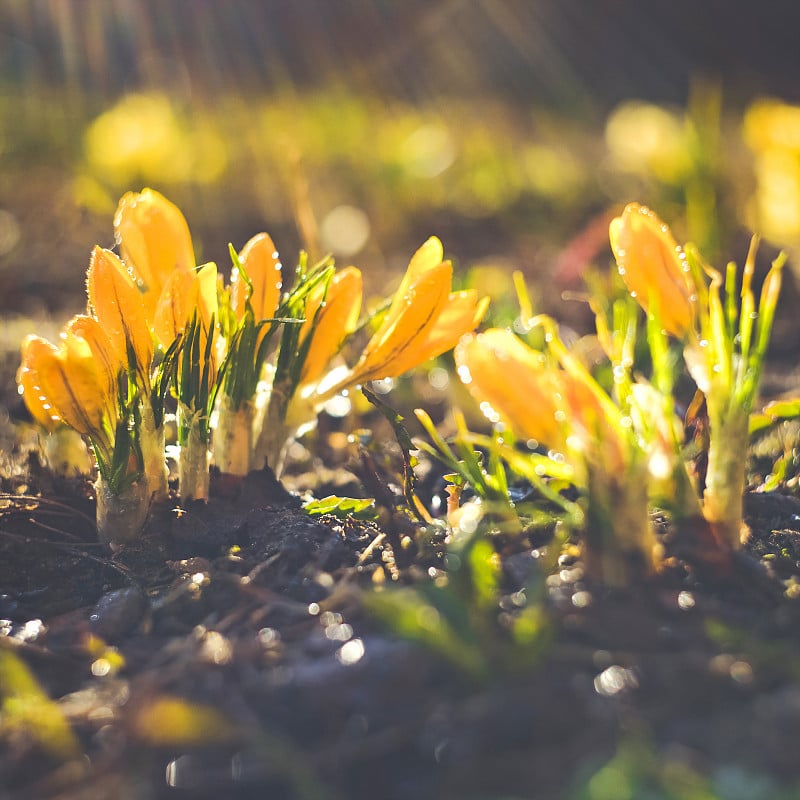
259	257
69	380
654	268
517	382
118	306
154	241
424	320
558	405
62	448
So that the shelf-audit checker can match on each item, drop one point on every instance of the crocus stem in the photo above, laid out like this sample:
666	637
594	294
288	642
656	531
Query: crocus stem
234	436
620	543
151	438
193	475
121	516
274	440
275	434
725	476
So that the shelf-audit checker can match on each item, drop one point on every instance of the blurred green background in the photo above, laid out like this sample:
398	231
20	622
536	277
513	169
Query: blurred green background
511	129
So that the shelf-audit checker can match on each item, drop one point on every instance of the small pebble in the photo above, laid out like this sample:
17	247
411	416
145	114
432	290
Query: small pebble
118	613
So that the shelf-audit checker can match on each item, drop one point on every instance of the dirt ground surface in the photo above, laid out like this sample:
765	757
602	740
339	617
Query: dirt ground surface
231	654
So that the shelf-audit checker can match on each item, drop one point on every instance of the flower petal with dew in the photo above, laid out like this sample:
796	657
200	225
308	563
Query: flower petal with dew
330	321
72	382
399	343
30	385
654	267
517	383
427	257
154	240
463	312
94	334
117	304
423	321
260	260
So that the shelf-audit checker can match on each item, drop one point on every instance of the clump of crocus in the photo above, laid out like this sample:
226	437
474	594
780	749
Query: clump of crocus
160	326
724	342
549	398
424	319
83	383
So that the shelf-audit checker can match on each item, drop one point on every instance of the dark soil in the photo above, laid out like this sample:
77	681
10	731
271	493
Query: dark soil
252	612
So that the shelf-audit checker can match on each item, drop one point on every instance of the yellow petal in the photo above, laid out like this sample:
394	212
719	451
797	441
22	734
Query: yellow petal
108	362
336	320
517	382
427	257
398	345
182	295
205	293
70	379
461	315
653	267
174	307
262	264
154	240
117	304
30	382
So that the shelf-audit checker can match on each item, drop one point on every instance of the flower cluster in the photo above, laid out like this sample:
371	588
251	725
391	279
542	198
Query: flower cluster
624	446
162	330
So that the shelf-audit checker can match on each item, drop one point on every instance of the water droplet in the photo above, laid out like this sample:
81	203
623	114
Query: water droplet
614	680
350	653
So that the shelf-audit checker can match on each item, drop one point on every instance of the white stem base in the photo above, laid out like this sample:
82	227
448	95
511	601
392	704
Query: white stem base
153	455
121	517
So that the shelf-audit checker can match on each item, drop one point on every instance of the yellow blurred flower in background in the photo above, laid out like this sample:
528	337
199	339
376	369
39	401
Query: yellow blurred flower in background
146	137
772	131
